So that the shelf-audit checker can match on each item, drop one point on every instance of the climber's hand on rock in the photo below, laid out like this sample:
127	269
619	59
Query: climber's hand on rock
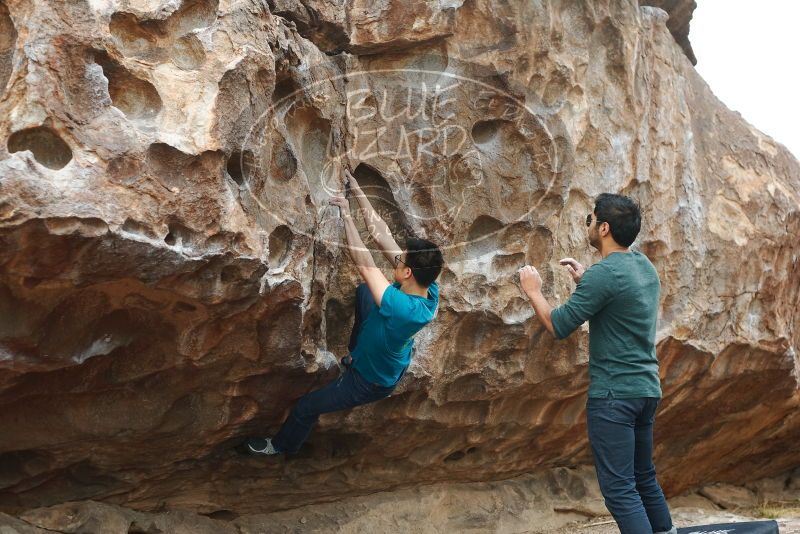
530	280
342	203
350	181
575	269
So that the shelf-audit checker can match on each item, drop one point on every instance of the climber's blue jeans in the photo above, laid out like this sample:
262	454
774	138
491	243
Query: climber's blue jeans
365	302
621	436
349	390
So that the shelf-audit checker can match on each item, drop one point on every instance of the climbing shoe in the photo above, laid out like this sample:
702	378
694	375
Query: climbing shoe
261	446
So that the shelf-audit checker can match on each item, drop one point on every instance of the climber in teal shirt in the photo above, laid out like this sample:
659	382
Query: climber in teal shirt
382	350
387	317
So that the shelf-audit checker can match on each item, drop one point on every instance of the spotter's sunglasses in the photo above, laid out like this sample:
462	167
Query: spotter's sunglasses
589	220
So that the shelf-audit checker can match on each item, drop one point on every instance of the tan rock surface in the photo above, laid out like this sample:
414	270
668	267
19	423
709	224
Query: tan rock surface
170	279
728	496
543	501
550	501
680	15
692	500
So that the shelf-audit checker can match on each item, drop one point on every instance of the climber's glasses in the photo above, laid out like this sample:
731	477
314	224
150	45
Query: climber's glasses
398	261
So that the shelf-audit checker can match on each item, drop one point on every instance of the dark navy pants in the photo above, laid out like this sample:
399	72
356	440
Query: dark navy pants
349	390
621	436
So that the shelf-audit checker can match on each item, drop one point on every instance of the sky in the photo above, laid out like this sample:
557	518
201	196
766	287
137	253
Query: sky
749	54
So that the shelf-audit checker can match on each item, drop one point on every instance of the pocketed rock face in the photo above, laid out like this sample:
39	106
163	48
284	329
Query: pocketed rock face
170	279
680	15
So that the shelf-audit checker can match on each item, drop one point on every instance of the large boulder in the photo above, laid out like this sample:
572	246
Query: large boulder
171	277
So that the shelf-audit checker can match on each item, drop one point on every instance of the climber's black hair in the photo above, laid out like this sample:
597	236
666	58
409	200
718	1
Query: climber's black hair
425	260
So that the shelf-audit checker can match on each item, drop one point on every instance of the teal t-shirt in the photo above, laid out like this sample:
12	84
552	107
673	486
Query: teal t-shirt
619	297
383	348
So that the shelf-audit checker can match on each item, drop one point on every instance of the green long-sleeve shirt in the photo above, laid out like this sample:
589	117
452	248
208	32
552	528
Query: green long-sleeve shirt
619	297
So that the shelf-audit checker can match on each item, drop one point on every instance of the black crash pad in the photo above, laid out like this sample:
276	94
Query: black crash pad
751	527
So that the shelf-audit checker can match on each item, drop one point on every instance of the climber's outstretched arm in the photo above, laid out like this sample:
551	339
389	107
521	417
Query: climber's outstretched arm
375	224
373	276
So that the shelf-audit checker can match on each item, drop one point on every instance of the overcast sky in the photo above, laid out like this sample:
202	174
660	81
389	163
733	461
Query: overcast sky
749	53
